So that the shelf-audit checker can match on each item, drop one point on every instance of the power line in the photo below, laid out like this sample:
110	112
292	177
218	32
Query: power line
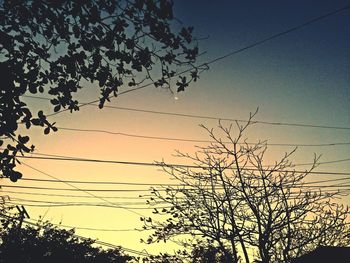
70	189
65	203
98	182
254	44
203	117
77	188
295	28
105	229
302	185
340	191
75	159
102	229
73	203
266	165
40	221
126	197
96	229
153	207
140	190
199	141
74	196
329	180
189	188
93	228
132	251
77	205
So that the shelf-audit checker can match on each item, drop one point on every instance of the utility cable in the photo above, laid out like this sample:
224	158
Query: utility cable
74	196
75	159
240	50
266	165
201	141
302	185
77	188
208	118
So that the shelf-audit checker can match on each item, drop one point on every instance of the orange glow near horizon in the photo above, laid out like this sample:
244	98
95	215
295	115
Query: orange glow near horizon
300	78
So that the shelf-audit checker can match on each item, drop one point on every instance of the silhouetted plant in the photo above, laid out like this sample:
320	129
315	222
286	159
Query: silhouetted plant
207	253
46	243
244	208
56	47
165	258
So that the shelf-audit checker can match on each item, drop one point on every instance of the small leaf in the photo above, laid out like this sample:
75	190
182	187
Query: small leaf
57	108
36	121
47	130
41	114
24	139
54	101
14	176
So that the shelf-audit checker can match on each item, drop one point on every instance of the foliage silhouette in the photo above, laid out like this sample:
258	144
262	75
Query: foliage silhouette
47	243
165	258
207	253
57	47
243	209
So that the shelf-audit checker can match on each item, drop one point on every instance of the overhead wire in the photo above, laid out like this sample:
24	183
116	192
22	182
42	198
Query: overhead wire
202	141
140	197
74	189
82	190
60	225
162	164
201	117
74	196
156	205
258	43
84	205
98	229
254	44
148	197
301	185
97	182
250	46
140	190
266	165
90	203
327	181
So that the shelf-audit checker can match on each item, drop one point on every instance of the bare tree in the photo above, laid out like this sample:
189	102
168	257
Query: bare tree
248	210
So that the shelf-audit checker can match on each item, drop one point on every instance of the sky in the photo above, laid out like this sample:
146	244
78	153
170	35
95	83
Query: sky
301	77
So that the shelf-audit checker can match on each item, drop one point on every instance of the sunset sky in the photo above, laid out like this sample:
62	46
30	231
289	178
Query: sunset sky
300	77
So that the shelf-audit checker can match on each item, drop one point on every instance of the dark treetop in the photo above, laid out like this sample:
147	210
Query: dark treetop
54	47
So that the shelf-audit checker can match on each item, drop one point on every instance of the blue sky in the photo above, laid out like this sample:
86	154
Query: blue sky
302	77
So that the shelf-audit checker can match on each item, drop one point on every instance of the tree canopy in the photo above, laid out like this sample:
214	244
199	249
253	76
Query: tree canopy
56	47
47	243
236	204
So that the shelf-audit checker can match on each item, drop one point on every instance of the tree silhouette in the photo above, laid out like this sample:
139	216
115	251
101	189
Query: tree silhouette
165	258
207	253
47	243
56	47
243	208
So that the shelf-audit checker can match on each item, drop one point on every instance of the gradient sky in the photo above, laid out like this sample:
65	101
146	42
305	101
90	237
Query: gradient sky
302	77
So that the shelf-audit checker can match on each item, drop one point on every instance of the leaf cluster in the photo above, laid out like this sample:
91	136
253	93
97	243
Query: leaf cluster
56	47
47	243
